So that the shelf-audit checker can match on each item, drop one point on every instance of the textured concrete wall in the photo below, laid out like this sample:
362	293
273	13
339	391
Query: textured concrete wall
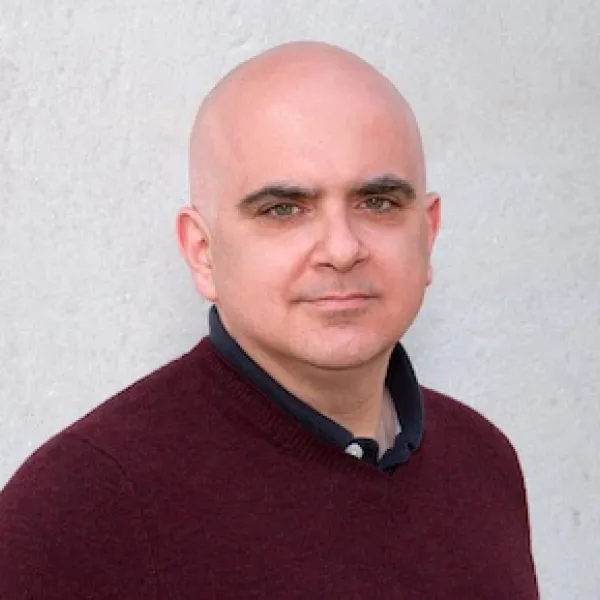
96	98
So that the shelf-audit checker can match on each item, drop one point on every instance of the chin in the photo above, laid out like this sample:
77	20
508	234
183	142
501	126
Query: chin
340	354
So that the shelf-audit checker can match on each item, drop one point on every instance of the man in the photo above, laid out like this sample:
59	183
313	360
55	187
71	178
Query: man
292	453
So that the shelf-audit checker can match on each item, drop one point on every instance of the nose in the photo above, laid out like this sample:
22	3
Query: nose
340	247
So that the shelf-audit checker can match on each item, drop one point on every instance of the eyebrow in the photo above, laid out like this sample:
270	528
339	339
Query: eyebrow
385	184
381	184
281	191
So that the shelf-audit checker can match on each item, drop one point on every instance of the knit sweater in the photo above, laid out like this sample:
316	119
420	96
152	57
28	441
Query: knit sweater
192	484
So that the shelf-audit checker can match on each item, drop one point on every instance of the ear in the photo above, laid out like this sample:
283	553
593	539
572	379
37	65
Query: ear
193	237
433	212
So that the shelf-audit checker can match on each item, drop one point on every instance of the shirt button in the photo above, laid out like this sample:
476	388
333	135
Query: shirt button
355	450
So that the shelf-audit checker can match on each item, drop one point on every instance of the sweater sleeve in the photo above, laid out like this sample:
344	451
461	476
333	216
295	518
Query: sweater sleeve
71	527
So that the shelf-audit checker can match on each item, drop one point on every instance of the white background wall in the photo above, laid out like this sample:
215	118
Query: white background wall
96	99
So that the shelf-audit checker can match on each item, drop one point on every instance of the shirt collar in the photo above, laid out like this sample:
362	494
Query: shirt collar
400	381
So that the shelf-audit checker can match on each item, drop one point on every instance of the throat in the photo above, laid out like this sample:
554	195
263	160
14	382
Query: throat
375	419
387	429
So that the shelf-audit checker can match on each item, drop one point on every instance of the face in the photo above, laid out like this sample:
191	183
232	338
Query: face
319	249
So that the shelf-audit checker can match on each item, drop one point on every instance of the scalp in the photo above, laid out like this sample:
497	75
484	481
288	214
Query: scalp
306	76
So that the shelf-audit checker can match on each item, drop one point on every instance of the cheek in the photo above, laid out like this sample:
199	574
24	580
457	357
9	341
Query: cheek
402	269
403	251
255	268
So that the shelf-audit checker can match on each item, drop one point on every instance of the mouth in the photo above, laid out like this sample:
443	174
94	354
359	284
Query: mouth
342	301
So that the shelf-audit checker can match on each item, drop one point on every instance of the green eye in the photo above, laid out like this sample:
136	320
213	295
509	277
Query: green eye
378	204
283	210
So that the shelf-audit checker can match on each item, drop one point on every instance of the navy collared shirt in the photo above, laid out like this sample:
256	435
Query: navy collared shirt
401	383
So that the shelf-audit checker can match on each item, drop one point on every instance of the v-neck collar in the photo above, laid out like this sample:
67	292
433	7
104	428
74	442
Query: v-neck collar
401	382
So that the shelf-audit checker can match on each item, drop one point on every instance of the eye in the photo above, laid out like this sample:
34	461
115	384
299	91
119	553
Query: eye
378	204
285	209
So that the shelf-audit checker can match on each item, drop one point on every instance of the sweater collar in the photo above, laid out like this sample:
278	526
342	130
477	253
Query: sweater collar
400	381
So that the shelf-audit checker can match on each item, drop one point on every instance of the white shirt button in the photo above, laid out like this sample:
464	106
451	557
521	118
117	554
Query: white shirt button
355	450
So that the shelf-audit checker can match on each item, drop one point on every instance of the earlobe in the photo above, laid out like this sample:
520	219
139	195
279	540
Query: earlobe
434	216
193	238
434	221
429	274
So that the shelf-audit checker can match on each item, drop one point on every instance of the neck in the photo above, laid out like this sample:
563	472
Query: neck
355	398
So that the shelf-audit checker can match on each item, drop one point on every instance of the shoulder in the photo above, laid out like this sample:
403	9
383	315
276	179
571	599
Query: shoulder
443	411
150	398
64	471
62	517
111	447
154	413
465	435
67	506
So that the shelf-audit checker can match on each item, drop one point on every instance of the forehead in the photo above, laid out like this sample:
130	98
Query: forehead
324	139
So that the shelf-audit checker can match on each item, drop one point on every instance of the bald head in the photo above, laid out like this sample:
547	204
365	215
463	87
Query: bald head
273	94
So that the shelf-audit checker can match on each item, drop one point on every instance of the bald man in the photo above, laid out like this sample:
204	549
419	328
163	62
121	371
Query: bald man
292	453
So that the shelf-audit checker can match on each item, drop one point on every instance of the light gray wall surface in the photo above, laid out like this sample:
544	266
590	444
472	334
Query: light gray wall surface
96	99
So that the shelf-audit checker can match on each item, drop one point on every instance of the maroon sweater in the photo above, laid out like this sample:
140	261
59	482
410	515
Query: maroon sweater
191	484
